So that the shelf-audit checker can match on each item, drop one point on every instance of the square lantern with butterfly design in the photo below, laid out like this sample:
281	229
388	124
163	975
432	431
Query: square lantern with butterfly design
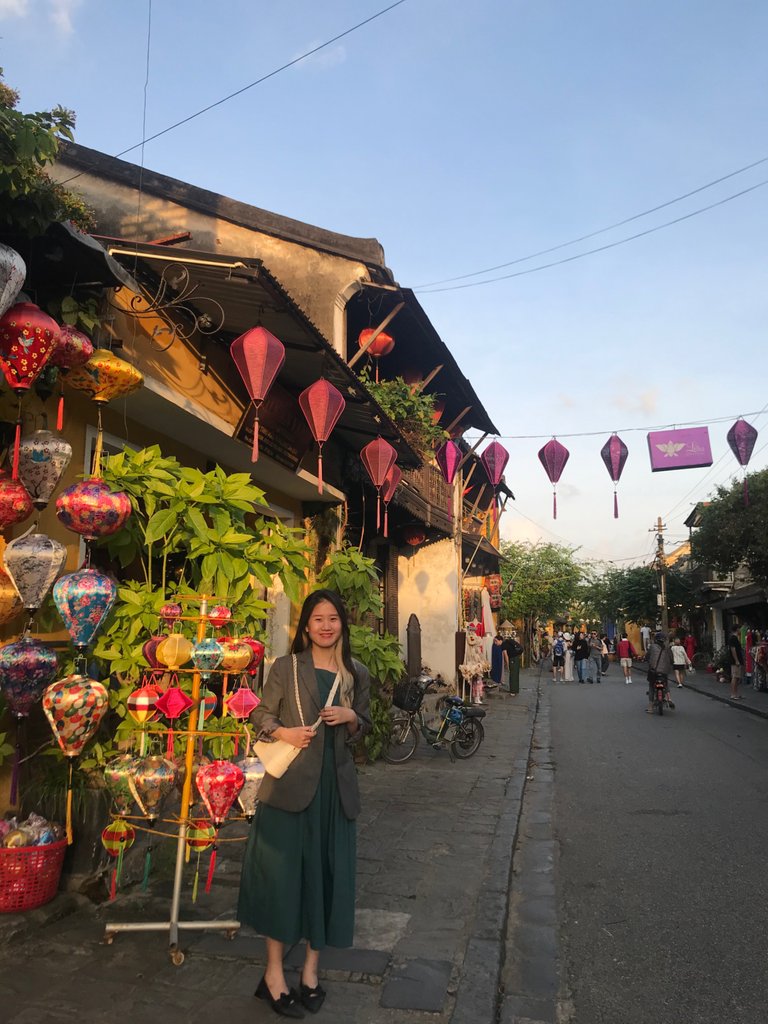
688	448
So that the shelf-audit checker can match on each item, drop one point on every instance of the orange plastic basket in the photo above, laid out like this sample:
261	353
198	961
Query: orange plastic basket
29	876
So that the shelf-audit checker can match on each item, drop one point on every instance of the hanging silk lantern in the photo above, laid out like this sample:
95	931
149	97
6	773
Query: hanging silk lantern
378	457
73	349
553	457
206	656
116	838
43	458
12	273
391	483
438	408
142	707
170	613
448	458
84	599
28	337
219	616
322	405
149	649
15	502
151	781
253	773
219	784
614	454
414	535
242	702
10	602
174	651
27	666
105	377
382	346
91	509
236	655
33	562
117	773
207	704
257	656
741	439
200	836
258	356
172	705
494	460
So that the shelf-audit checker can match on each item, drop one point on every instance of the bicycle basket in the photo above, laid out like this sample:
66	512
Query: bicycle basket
407	695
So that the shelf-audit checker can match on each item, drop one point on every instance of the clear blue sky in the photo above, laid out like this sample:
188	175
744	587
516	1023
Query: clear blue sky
465	135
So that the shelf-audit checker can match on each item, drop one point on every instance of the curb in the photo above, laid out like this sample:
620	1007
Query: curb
738	705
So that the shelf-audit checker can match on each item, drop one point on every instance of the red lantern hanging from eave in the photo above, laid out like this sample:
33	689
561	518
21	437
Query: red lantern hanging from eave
391	483
741	439
378	457
258	356
553	457
322	405
614	454
382	346
414	535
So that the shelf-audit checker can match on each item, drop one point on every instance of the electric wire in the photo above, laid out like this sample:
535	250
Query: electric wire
600	248
600	231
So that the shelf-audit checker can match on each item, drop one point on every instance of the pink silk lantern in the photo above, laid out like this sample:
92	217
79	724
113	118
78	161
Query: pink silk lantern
391	483
92	509
553	457
378	457
322	405
219	784
242	702
494	460
258	356
73	349
741	439
614	454
448	457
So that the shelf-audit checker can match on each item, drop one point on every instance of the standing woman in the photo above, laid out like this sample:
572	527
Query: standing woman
298	877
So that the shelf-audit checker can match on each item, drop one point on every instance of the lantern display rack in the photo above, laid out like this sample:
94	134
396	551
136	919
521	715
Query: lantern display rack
190	736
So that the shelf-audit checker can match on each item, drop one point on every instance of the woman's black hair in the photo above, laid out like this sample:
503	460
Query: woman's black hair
301	640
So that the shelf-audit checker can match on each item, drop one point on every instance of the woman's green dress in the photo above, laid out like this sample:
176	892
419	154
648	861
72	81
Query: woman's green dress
298	878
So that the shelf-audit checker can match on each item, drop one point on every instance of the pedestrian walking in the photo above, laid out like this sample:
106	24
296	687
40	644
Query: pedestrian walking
737	664
298	877
558	658
626	652
680	660
689	643
605	661
595	657
645	637
581	655
568	667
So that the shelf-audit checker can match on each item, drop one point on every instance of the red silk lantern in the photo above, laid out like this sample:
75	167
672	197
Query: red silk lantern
28	337
553	457
741	439
448	457
614	454
439	404
391	483
73	349
322	404
258	356
258	654
219	784
382	346
242	702
414	535
15	502
378	457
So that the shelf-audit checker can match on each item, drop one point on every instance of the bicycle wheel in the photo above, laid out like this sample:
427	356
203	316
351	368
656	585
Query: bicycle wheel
467	738
402	739
700	660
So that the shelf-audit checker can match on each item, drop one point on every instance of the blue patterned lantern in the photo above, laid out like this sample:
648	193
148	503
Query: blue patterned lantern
27	666
207	655
83	600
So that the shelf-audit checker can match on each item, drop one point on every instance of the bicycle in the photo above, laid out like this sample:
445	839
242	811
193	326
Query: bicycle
459	729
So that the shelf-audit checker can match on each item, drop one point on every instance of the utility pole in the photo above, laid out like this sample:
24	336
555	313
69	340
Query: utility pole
660	565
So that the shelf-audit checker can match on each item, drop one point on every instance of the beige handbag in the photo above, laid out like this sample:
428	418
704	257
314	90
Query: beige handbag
278	755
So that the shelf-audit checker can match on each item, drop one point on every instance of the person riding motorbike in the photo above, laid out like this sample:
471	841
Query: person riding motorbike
659	664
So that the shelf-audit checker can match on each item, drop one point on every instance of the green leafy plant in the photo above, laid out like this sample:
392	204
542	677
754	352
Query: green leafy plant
412	411
81	314
353	576
380	653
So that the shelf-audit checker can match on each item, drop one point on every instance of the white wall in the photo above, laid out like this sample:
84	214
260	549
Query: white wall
428	589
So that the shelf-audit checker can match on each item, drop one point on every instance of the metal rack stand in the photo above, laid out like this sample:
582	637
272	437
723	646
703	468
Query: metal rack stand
174	924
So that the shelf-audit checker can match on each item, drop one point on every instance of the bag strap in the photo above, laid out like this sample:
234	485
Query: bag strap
331	695
296	688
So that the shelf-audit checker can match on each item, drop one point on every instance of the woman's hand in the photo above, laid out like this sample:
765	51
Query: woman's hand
338	715
300	736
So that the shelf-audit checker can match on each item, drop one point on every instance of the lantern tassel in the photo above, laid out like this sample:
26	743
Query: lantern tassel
615	504
320	469
201	716
69	804
255	449
386	521
554	504
196	881
118	873
378	511
16	445
60	413
147	867
211	869
169	748
113	885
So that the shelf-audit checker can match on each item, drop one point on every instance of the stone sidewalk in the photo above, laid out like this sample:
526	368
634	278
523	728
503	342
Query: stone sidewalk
435	847
753	701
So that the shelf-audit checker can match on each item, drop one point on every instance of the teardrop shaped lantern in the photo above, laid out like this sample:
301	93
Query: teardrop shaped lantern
74	707
92	509
741	440
15	502
117	773
105	377
151	780
170	613
84	599
206	656
322	405
142	705
378	457
253	771
553	457
28	337
382	346
494	460
614	454
12	273
219	616
219	784
391	483
448	459
33	562
43	458
258	356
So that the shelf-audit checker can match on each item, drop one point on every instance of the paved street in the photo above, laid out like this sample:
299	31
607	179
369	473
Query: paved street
662	839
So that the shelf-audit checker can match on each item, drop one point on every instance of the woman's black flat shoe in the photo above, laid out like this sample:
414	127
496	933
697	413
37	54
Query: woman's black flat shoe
312	998
286	1006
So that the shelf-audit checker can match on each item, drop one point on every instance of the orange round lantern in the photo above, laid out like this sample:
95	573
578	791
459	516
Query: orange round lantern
105	376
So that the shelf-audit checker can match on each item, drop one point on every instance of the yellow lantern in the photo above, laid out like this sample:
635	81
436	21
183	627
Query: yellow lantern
105	376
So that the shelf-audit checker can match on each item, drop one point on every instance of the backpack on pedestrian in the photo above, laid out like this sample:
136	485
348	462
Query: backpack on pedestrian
559	648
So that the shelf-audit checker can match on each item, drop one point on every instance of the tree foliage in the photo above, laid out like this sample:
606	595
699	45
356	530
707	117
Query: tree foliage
731	533
539	580
28	144
631	594
412	411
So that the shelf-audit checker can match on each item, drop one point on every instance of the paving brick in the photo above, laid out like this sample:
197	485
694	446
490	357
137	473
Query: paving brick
418	985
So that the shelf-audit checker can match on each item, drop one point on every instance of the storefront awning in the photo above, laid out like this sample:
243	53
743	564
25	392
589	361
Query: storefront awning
744	597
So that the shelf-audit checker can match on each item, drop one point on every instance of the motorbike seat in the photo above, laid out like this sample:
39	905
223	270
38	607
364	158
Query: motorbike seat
474	712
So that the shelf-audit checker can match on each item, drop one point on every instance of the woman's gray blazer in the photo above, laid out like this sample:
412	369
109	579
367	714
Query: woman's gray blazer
295	790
